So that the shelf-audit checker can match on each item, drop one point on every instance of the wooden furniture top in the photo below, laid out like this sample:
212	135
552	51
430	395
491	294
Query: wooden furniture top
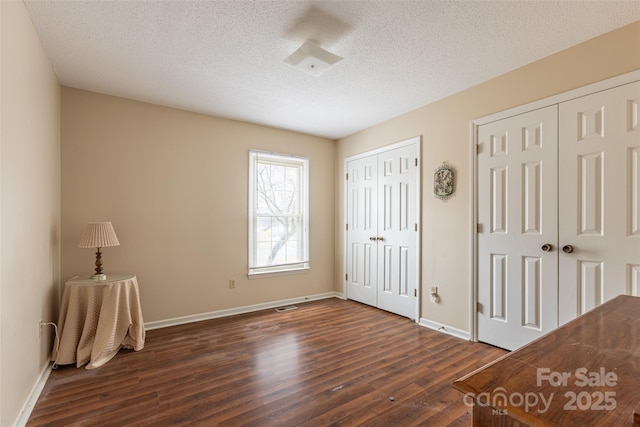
587	372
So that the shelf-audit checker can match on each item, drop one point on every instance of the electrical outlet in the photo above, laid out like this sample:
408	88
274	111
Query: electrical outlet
232	284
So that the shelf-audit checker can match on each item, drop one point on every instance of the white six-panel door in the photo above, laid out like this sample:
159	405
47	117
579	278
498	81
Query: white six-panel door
599	199
397	231
558	213
382	249
362	223
517	212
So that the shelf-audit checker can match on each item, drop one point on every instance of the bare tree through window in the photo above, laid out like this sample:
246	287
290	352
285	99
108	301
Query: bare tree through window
278	213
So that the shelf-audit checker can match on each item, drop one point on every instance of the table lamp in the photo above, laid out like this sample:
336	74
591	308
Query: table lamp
98	235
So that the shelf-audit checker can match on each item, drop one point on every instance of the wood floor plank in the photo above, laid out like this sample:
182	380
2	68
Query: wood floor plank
329	362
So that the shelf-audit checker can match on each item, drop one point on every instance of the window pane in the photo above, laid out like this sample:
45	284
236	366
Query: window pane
287	202
277	229
291	183
262	254
277	189
277	240
263	204
263	232
292	250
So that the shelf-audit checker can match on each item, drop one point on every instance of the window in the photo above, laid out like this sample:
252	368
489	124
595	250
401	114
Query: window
278	213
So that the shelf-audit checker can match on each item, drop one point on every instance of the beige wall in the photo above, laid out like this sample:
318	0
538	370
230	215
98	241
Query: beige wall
174	185
445	129
29	207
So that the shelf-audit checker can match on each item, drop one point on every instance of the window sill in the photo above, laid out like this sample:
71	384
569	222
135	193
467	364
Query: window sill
281	272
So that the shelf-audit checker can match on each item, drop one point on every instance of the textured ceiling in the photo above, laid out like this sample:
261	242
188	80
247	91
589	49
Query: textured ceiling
224	58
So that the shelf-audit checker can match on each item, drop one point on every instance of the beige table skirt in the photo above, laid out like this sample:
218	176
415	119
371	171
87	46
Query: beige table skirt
97	318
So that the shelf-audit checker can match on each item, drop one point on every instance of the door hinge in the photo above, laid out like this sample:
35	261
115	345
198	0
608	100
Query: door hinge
478	150
347	178
416	161
478	228
346	276
347	227
478	306
415	292
416	226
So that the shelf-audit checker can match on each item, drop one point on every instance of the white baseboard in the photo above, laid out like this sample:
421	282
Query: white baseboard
30	403
450	330
238	310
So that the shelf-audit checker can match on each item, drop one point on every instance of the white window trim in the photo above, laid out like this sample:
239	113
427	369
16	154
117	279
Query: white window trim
279	269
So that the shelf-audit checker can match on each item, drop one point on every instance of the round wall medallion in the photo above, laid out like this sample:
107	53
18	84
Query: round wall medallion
444	182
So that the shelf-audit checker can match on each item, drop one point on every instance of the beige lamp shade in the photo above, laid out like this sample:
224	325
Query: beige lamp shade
98	235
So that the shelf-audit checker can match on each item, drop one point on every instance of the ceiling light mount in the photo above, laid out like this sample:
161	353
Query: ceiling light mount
312	59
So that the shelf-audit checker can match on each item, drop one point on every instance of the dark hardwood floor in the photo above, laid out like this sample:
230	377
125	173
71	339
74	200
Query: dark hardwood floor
330	362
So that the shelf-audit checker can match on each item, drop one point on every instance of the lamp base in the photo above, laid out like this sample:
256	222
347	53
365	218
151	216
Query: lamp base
100	276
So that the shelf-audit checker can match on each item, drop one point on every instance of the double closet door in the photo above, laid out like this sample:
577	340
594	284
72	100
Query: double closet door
382	242
558	213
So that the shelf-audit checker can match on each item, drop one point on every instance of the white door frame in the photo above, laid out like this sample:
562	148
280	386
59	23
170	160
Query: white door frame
417	141
473	218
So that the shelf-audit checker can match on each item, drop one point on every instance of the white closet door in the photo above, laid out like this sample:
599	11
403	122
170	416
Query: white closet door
362	222
517	214
597	248
599	198
382	230
397	231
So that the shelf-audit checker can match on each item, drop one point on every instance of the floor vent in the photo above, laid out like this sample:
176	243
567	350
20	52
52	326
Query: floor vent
287	308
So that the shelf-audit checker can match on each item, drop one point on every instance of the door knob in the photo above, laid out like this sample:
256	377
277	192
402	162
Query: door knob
381	238
372	239
547	247
567	249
